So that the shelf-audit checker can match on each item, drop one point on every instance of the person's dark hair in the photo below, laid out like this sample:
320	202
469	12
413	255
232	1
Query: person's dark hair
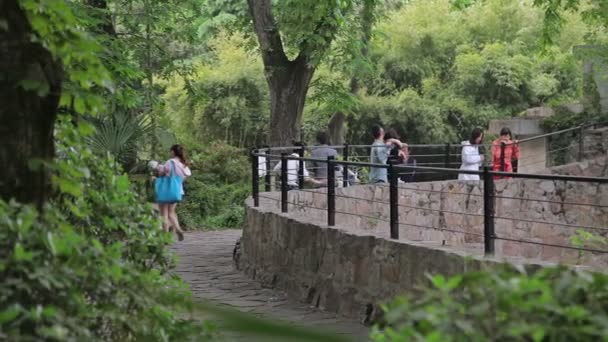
180	152
376	129
506	131
391	134
476	133
323	138
298	146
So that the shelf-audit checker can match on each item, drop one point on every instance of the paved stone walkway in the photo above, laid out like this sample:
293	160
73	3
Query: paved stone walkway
206	264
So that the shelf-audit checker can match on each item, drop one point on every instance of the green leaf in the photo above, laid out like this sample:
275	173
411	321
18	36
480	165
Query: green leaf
69	187
9	314
51	243
20	254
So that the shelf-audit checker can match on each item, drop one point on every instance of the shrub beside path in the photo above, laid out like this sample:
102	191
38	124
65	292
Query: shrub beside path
205	263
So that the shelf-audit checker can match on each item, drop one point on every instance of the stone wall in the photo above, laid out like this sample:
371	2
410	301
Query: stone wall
533	156
595	144
596	167
451	213
355	265
337	269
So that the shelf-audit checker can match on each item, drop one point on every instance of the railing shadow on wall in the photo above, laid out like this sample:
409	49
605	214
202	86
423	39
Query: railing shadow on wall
508	210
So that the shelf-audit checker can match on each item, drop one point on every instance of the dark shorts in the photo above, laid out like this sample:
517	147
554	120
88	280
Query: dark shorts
168	202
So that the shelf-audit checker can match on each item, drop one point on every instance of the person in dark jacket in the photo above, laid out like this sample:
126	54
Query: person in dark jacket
404	158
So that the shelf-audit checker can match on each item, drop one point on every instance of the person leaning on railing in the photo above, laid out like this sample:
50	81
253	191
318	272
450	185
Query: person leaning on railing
322	152
404	158
292	170
504	151
471	156
379	154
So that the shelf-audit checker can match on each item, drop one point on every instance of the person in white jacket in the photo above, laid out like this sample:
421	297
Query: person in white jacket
471	158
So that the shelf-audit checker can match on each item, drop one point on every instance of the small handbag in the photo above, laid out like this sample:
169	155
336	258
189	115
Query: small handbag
169	188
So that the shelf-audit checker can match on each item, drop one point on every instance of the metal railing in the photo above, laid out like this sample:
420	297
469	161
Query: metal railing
488	234
448	155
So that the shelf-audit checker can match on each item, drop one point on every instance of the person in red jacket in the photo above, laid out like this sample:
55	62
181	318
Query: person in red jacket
502	156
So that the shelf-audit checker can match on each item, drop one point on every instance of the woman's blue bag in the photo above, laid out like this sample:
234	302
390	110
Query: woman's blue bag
169	188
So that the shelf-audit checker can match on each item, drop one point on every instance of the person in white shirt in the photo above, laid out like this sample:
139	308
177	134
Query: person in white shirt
471	158
292	173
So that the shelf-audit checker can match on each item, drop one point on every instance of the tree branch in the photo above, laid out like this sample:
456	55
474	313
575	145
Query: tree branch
267	32
324	28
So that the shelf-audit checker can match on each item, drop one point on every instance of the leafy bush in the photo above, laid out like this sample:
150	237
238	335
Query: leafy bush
216	192
224	98
564	119
550	304
93	265
212	205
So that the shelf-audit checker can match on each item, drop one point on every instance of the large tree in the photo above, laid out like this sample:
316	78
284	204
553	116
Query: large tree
46	61
30	89
293	36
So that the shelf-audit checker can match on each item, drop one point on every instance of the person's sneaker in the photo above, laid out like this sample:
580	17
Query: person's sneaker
180	236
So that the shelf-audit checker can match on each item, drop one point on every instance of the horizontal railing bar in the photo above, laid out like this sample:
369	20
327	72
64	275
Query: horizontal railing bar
441	229
577	226
551	245
403	168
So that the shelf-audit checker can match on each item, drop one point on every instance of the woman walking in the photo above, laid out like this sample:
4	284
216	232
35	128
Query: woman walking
177	166
471	158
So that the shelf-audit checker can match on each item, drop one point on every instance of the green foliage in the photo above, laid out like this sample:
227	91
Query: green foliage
216	192
60	32
583	238
92	265
120	134
224	99
403	112
212	205
594	12
550	304
221	16
468	62
309	30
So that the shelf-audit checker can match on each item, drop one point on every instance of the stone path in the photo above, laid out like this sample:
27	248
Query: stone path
206	264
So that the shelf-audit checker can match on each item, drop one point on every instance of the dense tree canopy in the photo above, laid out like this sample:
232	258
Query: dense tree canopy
91	90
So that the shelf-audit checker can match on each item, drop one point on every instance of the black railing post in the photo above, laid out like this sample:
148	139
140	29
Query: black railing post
255	178
345	167
581	143
393	200
267	178
447	155
284	185
331	191
488	211
301	169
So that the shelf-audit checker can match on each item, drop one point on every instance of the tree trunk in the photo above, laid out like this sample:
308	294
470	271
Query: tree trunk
288	89
337	128
366	14
27	118
288	80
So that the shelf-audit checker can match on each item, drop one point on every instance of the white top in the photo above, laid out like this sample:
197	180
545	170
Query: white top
292	170
261	166
471	160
